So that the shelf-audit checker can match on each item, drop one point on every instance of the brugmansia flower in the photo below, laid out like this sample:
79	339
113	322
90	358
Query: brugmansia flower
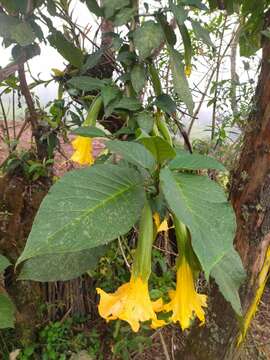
83	153
161	226
83	146
185	302
131	302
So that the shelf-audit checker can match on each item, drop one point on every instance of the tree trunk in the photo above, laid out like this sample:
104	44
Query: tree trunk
250	194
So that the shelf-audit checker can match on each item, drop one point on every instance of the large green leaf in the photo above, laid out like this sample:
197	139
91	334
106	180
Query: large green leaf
160	148
180	82
70	52
129	103
87	83
7	312
61	267
201	204
86	208
19	31
4	263
185	160
148	38
132	152
229	274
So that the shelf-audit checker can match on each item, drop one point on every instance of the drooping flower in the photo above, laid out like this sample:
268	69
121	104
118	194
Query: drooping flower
131	302
83	153
185	302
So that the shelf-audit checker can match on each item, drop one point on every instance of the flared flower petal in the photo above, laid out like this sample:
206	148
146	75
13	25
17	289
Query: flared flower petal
83	153
131	302
185	302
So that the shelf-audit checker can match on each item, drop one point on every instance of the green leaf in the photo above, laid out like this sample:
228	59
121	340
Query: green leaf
94	7
147	38
87	83
112	6
86	208
92	60
202	33
185	160
14	29
137	76
132	152
70	52
145	121
180	82
229	274
201	205
123	16
61	267
111	96
159	147
165	103
7	312
179	13
89	131
4	263
129	103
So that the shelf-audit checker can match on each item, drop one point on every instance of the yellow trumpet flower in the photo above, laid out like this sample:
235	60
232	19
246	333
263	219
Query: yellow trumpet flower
83	153
185	302
131	302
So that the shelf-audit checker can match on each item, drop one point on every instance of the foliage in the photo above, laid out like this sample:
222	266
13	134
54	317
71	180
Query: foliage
91	207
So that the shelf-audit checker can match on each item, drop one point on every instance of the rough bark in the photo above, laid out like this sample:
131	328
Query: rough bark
250	193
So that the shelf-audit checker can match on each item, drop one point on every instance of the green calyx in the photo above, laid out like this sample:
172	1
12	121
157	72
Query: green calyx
142	261
184	245
93	112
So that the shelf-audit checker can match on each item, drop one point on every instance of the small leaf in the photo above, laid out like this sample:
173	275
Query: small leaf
111	95
129	103
94	7
159	147
123	16
202	33
145	121
89	131
92	60
229	274
147	38
7	312
132	152
13	29
185	160
87	83
61	267
4	263
138	77
165	103
180	82
112	6
70	52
